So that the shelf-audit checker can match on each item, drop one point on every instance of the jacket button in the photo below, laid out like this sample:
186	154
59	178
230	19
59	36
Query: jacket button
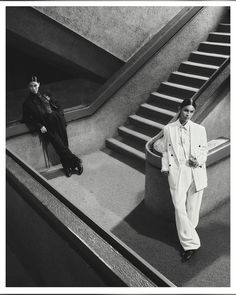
169	144
200	166
172	155
169	164
199	146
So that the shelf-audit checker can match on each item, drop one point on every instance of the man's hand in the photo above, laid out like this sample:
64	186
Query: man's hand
43	129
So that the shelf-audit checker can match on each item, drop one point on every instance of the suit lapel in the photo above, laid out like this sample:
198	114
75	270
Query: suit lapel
174	139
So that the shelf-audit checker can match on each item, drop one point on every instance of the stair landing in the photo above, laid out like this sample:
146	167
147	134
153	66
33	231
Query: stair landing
107	191
111	193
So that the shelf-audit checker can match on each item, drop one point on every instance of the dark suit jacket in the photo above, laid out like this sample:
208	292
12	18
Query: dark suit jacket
34	114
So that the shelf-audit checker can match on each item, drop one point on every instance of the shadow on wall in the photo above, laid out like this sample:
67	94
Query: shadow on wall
157	242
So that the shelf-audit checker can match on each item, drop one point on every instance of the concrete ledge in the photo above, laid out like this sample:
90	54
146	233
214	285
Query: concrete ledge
101	255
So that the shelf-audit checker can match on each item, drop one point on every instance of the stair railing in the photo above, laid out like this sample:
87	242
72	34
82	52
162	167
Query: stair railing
127	70
148	147
150	275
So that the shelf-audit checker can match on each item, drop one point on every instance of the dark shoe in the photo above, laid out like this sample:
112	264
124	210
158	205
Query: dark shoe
68	172
188	255
79	169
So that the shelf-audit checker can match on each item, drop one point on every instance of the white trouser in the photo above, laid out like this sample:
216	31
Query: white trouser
187	204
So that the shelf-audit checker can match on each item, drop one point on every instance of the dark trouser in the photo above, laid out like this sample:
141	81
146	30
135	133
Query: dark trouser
57	135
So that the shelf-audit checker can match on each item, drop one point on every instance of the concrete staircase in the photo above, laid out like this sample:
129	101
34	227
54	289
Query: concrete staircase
162	105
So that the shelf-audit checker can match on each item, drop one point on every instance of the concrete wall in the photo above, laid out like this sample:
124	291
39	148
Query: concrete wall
89	134
217	123
119	30
39	36
44	253
218	190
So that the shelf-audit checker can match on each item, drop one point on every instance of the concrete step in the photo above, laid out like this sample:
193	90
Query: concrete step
220	37
164	101
132	134
197	68
146	123
132	142
214	47
223	27
143	129
159	115
207	58
163	104
51	169
177	90
187	79
125	149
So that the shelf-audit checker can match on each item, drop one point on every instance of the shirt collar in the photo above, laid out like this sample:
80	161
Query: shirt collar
186	126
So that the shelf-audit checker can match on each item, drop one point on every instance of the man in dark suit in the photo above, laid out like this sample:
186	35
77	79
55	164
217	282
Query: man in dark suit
42	112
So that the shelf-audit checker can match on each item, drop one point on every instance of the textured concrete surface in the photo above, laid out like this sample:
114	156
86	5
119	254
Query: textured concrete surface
218	190
31	143
157	193
119	30
89	134
111	193
107	190
40	36
217	122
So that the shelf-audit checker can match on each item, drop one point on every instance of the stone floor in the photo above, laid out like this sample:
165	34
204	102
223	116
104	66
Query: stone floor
111	193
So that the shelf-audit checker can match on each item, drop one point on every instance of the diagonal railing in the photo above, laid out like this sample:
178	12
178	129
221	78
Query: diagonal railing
116	249
149	144
126	71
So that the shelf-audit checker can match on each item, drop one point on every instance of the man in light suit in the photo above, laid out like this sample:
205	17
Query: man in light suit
183	161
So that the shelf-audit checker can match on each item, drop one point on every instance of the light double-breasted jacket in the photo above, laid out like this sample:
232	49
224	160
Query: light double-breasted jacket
198	149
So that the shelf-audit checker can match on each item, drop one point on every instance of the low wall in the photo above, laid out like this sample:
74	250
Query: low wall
48	257
217	123
89	134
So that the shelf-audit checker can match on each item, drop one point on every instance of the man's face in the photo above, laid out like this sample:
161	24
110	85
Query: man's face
34	87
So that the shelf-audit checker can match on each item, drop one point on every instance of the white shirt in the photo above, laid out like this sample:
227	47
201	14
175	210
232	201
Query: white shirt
183	141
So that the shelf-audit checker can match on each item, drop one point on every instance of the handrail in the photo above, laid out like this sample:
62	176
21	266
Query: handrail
218	152
144	267
194	97
127	70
